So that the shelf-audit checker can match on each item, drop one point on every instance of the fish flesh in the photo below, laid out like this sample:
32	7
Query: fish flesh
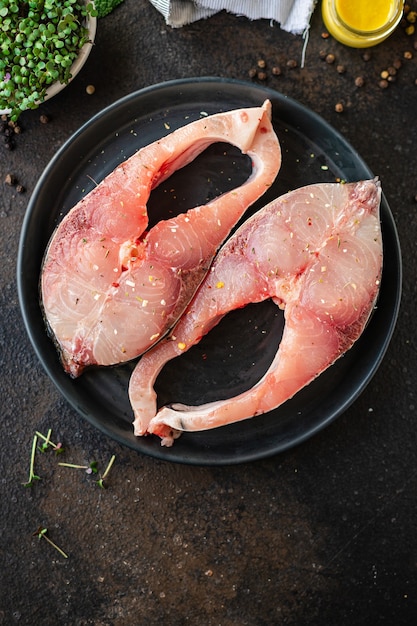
111	287
317	253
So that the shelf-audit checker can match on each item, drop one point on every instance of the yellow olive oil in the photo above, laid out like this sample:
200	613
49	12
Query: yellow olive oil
361	23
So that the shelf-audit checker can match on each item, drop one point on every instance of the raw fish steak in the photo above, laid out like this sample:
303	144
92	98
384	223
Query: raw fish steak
111	288
317	252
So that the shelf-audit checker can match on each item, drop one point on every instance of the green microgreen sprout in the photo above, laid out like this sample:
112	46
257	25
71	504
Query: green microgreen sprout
32	475
41	533
57	447
104	7
46	441
92	469
89	469
100	482
39	42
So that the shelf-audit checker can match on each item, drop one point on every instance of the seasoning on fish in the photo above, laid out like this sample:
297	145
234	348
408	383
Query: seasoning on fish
111	288
317	252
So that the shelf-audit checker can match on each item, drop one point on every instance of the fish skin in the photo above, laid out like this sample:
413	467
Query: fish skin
324	272
110	289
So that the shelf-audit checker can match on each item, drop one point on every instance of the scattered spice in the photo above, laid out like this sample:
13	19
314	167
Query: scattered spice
7	129
359	81
330	58
261	63
276	70
10	180
408	55
44	119
383	83
341	69
291	64
339	107
262	76
90	89
411	17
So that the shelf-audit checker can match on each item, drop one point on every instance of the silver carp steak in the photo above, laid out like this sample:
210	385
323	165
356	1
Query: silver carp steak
111	287
317	253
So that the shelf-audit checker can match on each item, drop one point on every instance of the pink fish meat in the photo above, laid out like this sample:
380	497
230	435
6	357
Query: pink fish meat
317	252
111	288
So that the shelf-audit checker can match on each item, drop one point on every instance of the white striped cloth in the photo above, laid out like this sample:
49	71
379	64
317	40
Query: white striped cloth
292	15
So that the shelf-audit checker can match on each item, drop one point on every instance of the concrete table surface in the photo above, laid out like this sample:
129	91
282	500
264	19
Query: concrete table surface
322	534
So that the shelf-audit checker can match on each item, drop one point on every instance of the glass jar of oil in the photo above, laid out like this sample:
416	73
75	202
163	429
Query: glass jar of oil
361	23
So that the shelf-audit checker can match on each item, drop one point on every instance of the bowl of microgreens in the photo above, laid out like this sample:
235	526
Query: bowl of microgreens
43	46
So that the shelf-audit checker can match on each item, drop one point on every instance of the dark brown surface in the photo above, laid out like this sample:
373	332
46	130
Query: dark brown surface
323	534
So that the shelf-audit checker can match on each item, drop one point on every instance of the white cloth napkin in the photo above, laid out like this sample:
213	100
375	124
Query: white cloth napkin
292	15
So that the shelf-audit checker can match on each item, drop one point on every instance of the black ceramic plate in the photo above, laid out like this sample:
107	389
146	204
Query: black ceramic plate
235	354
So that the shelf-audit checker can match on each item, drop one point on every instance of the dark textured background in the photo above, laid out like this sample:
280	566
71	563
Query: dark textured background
323	534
